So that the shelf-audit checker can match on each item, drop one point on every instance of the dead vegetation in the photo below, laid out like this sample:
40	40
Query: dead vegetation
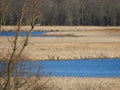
14	74
72	83
59	28
83	44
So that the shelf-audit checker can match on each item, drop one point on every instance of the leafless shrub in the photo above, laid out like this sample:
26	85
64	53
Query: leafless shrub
14	73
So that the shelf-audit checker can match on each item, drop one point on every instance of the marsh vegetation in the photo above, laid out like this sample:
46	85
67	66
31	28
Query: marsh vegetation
77	42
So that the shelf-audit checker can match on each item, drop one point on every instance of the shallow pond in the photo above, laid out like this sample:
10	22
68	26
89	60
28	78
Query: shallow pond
78	68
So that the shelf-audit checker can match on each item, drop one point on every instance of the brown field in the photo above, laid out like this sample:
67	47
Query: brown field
90	42
59	28
69	83
76	43
74	83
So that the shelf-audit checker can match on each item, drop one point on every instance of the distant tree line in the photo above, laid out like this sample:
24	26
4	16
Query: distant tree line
68	12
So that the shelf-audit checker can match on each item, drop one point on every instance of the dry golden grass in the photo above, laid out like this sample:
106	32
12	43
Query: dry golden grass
73	83
92	43
69	83
59	28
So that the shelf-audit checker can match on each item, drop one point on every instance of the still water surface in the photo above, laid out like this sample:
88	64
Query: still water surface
77	68
10	33
83	68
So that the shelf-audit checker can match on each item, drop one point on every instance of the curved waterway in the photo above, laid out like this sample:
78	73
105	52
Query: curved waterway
78	68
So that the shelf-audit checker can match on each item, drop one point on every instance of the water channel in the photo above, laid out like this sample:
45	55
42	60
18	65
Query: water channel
76	68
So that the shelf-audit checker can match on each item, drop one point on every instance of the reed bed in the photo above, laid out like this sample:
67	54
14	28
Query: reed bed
83	44
72	83
59	28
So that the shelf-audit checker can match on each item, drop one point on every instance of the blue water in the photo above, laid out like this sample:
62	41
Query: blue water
10	33
83	68
77	68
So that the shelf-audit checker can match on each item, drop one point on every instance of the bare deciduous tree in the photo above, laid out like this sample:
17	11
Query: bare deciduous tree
3	11
12	78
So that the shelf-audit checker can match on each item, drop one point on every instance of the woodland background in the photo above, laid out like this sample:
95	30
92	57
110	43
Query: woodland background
65	12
